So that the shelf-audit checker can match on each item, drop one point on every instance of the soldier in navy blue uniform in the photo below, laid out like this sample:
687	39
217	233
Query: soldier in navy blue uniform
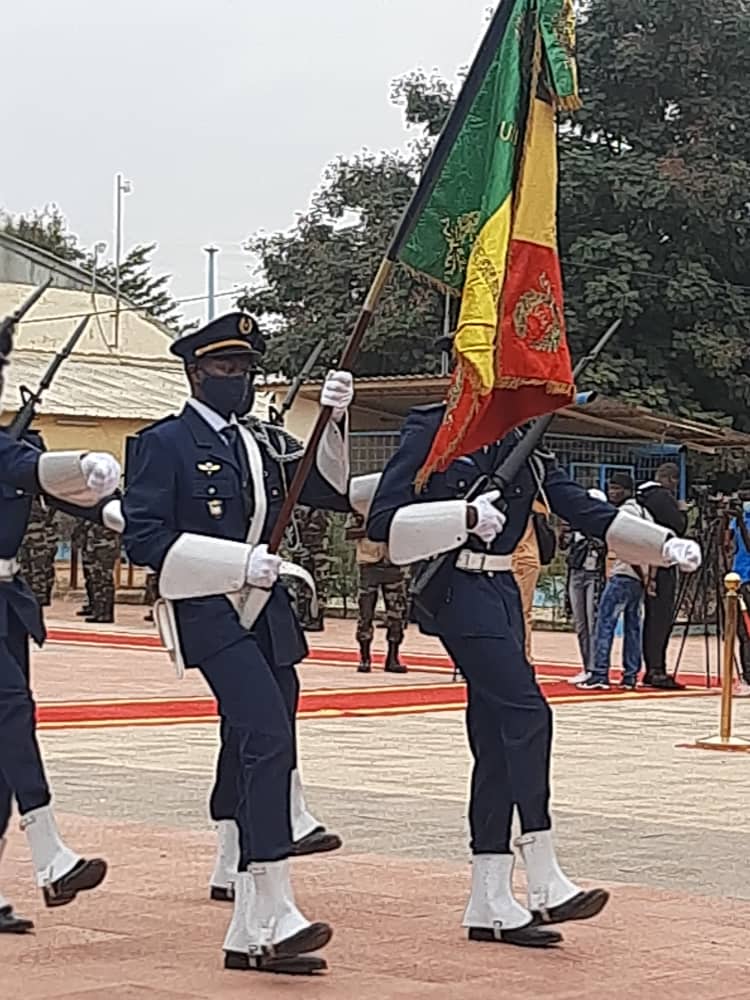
76	483
472	605
202	494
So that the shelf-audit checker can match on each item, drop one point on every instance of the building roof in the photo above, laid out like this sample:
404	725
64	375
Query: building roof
23	263
106	386
100	386
393	396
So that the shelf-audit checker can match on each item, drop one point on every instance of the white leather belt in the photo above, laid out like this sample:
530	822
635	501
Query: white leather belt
482	562
8	569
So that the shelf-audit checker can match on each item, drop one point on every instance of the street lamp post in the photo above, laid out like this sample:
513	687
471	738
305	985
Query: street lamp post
121	187
211	251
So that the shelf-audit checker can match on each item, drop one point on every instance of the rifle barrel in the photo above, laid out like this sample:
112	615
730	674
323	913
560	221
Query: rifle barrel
17	315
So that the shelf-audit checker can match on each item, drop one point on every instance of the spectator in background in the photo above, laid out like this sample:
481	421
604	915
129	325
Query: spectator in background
659	498
536	549
623	595
586	559
740	555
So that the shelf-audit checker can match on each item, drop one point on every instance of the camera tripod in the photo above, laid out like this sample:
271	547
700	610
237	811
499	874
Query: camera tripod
703	593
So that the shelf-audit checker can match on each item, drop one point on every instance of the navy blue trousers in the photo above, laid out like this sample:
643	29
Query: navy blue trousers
509	725
257	755
21	769
226	790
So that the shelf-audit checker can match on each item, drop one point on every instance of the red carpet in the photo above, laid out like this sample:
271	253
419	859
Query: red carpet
401	699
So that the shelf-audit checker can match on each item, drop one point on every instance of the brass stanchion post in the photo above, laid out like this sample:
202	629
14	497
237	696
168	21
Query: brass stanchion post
725	740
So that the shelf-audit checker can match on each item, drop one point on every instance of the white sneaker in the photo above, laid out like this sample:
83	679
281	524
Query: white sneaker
580	678
741	690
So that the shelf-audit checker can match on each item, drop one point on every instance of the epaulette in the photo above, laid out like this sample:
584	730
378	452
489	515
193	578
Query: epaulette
157	423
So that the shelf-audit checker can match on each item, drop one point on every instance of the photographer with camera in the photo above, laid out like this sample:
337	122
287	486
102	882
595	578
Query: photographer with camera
739	544
659	498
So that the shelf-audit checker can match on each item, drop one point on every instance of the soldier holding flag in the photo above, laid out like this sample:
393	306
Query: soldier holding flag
486	229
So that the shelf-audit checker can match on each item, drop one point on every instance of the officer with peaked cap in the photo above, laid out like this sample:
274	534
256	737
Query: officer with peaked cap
202	494
77	483
472	605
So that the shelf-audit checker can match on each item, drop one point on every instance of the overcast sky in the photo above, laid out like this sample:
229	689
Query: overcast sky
222	113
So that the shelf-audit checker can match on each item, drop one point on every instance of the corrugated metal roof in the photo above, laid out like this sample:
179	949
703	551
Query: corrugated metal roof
100	386
107	386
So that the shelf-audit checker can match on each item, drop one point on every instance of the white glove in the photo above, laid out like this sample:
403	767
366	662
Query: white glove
490	520
683	552
263	568
338	393
101	473
112	516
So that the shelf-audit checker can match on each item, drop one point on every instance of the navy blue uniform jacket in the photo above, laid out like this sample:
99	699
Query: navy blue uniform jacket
19	461
167	494
458	603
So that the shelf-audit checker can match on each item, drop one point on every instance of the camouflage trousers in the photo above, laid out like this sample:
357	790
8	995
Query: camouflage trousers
390	580
317	565
36	559
99	559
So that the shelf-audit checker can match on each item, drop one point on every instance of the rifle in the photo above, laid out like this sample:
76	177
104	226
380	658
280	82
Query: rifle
276	417
30	400
8	324
507	471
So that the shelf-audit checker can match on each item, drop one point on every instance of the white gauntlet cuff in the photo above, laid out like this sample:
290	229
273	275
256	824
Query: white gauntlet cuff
361	491
332	456
423	530
636	541
60	475
201	566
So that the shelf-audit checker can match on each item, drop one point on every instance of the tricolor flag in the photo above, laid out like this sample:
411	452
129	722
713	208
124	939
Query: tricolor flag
488	233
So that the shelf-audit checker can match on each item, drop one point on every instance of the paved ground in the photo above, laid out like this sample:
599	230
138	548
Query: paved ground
666	827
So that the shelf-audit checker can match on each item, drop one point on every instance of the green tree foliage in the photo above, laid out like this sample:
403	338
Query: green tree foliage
654	217
139	286
655	194
48	228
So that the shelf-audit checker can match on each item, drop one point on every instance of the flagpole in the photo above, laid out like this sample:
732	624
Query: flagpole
450	132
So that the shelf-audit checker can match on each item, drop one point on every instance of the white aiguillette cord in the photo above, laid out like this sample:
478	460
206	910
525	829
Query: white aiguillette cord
251	601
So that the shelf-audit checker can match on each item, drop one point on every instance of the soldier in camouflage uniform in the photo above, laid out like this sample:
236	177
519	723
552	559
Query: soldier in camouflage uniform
37	553
150	594
377	574
99	558
310	551
78	538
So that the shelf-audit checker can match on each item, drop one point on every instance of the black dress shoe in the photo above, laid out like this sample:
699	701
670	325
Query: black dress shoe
319	841
83	612
11	923
662	682
364	668
584	906
530	936
221	895
290	957
84	876
100	620
299	965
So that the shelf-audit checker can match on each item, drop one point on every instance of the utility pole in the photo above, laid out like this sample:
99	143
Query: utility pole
121	187
211	251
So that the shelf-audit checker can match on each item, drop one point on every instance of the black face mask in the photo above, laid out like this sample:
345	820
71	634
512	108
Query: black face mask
228	394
